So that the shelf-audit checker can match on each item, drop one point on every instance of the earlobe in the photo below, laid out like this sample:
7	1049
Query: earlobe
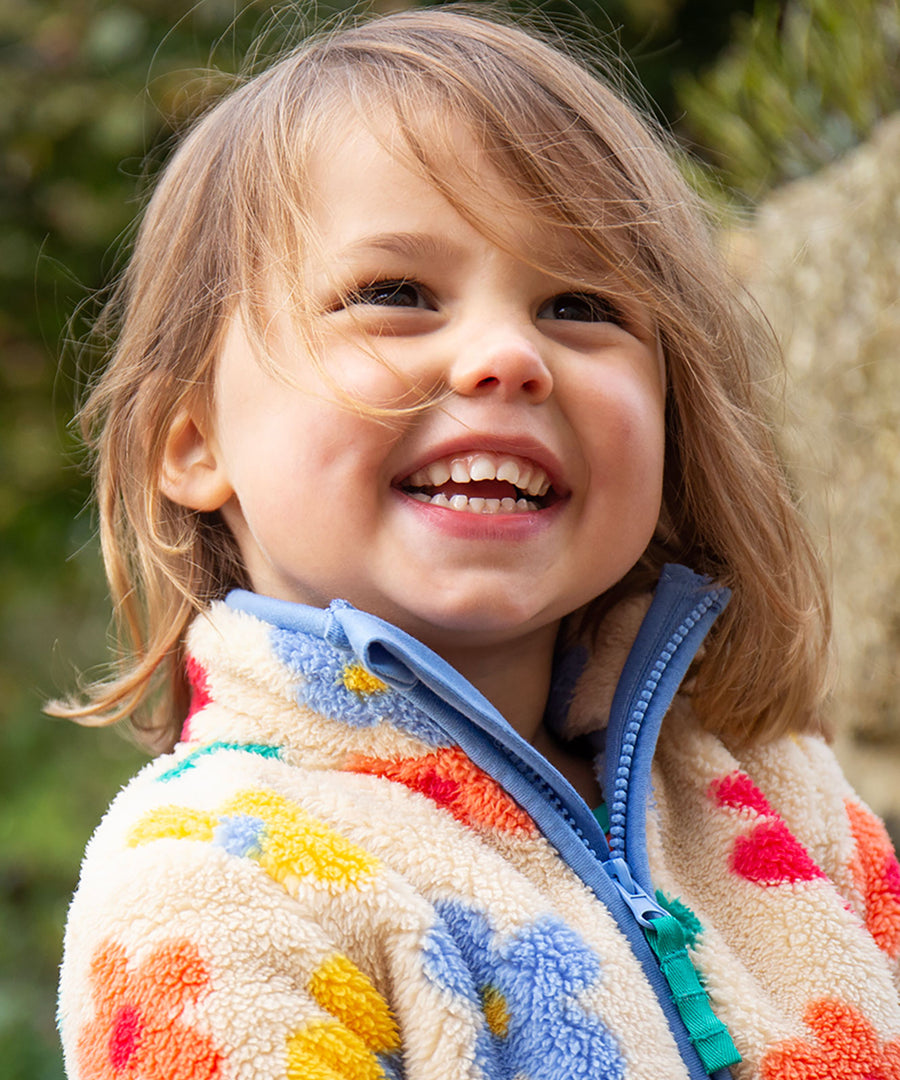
192	472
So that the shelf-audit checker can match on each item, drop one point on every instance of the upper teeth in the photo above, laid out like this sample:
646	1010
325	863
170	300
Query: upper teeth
524	475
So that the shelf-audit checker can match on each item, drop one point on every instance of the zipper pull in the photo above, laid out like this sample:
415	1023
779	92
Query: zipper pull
641	905
665	936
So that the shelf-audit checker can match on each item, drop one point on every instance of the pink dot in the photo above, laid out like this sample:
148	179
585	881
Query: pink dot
199	683
771	855
125	1036
892	876
737	791
440	788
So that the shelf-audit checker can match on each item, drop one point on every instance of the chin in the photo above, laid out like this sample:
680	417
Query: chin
479	622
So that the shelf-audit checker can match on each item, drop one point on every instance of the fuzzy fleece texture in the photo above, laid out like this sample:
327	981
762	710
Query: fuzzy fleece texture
318	885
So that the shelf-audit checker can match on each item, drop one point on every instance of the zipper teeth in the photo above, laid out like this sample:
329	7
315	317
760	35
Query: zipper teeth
623	773
548	792
619	799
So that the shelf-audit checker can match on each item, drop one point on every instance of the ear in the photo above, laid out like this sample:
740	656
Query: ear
192	472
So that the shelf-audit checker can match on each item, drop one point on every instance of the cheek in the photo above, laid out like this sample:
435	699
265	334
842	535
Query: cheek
627	434
307	471
381	374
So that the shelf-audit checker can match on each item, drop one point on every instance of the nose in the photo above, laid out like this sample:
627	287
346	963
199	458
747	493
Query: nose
505	363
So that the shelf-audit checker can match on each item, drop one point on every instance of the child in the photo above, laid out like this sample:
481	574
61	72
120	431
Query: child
427	378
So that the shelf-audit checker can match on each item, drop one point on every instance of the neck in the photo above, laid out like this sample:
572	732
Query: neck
514	676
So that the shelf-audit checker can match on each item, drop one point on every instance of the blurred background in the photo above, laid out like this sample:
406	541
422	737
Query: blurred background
790	106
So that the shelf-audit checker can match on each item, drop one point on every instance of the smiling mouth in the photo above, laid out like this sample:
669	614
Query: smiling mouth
482	483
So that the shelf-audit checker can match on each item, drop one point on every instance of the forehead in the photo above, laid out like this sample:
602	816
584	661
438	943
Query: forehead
368	183
375	164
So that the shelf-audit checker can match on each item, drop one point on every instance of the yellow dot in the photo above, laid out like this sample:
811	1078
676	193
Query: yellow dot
362	682
344	991
495	1012
297	845
172	822
325	1050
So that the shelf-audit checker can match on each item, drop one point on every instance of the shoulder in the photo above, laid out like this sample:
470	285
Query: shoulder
214	891
795	780
780	820
240	806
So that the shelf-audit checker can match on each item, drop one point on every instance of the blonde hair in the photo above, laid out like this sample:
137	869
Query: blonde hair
228	213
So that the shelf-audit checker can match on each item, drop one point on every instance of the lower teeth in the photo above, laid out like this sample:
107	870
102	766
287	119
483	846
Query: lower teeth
476	505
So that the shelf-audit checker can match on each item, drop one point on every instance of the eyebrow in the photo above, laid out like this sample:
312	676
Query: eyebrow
408	245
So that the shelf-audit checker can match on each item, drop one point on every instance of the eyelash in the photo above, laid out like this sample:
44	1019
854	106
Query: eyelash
601	308
386	293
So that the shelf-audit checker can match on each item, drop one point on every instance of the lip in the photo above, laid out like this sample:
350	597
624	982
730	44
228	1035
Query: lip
479	527
471	443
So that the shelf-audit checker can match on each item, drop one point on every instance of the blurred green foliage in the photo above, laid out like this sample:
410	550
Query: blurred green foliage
802	82
90	93
86	90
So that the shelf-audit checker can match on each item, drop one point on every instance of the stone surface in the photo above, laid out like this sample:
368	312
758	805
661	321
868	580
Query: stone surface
822	257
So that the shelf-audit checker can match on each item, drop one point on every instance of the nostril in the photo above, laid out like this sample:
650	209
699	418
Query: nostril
505	370
530	386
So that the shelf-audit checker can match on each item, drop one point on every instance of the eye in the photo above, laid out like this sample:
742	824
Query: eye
582	307
400	293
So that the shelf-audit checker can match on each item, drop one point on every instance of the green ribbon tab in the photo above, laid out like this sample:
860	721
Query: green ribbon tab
708	1034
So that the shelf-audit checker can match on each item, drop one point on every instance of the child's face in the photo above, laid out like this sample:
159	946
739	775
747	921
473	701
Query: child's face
553	426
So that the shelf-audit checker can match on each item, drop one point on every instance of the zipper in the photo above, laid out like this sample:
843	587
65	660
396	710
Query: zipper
643	907
653	672
655	668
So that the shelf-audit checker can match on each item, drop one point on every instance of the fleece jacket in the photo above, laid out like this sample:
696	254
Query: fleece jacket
352	868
